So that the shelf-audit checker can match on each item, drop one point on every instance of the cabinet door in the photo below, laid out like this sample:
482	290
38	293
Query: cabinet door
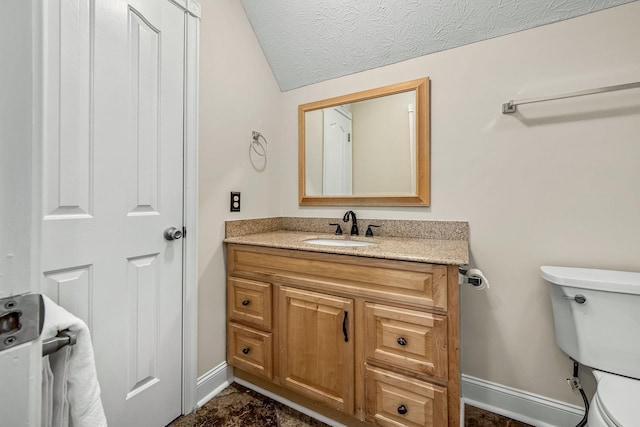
316	346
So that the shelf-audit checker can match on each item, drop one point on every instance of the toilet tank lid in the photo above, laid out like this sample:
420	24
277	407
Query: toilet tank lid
589	278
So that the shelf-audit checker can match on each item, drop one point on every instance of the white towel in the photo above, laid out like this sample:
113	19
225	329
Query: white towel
59	362
47	393
75	391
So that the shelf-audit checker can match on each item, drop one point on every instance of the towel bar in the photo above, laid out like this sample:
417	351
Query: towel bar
63	339
512	106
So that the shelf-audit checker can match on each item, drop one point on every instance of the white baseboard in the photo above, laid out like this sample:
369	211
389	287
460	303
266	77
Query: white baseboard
519	405
213	382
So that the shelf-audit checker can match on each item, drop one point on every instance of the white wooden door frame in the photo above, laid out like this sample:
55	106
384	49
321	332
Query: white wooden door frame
190	249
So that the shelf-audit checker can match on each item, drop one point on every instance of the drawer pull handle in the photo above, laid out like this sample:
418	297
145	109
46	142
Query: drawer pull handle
245	302
245	350
402	341
402	409
344	326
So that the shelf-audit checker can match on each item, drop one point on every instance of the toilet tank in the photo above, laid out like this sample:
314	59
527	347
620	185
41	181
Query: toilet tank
604	331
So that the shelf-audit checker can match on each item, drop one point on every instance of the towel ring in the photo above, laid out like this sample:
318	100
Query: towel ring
260	148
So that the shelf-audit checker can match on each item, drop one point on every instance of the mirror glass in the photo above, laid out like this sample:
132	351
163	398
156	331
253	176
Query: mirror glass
367	148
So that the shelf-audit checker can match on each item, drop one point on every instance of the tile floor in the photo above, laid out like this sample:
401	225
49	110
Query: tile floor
237	406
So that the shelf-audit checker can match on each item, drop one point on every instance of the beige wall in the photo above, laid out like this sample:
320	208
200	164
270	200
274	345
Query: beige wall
557	184
238	94
381	143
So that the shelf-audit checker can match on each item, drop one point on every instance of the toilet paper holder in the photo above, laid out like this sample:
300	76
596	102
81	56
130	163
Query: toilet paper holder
472	276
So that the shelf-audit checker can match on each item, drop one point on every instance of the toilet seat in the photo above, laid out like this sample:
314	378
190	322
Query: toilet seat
617	398
597	416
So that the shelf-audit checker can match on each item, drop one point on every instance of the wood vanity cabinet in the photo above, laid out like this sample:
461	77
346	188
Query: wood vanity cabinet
366	341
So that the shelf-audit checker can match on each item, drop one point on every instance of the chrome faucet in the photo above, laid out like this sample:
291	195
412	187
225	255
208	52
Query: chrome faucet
354	222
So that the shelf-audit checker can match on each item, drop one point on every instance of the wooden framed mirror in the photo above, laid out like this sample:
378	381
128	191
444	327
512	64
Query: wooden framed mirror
368	148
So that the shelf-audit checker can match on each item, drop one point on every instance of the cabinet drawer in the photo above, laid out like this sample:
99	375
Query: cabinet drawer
250	350
396	400
406	338
249	302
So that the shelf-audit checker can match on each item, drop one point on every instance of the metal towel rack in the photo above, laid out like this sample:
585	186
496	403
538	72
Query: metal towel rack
512	106
63	339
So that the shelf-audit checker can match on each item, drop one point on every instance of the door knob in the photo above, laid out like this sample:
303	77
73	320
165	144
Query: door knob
172	233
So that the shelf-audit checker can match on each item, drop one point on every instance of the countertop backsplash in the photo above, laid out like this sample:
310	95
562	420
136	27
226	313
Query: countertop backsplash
414	229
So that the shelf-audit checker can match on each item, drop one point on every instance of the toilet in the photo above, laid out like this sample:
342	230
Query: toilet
597	322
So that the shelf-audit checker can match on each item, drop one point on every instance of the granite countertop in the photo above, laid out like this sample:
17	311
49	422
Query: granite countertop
454	252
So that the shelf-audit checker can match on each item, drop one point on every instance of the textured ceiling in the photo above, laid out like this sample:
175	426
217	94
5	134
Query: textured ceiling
308	41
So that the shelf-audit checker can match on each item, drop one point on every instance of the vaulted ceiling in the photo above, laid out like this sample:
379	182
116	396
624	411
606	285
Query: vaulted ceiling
308	41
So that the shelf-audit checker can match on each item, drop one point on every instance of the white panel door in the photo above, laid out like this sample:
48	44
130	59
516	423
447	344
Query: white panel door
113	169
337	152
20	365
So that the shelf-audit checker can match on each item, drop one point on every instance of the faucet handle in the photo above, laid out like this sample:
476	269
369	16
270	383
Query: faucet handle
338	229
370	231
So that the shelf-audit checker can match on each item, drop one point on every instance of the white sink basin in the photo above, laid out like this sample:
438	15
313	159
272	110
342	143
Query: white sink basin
336	242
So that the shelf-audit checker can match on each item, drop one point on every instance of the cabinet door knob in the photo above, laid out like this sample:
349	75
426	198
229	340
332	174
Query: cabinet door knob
402	409
246	302
245	350
402	341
